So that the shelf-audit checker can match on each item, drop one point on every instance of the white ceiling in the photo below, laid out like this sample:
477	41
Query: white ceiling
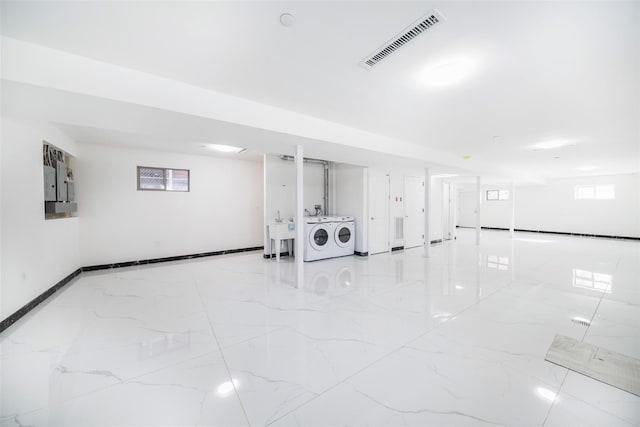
543	70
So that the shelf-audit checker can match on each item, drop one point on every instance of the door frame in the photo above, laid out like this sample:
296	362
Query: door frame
370	191
422	180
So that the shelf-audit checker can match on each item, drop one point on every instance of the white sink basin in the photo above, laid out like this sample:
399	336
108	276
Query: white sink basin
282	230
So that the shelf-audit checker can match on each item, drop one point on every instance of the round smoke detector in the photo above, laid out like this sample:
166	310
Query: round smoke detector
287	19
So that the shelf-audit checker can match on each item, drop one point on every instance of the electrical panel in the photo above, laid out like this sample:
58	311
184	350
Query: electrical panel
59	187
61	182
71	191
50	184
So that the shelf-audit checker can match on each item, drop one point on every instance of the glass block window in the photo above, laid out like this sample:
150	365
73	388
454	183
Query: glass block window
163	179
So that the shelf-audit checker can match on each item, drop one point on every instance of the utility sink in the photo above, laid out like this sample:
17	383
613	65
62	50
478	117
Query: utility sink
281	231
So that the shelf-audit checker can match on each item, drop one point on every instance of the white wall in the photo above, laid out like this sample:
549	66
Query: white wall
396	207
223	209
350	183
552	207
280	184
435	209
35	254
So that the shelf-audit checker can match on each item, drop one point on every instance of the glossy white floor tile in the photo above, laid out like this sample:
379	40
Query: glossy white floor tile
392	339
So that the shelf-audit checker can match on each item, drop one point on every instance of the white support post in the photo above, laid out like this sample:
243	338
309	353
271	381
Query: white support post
299	217
427	203
478	203
512	226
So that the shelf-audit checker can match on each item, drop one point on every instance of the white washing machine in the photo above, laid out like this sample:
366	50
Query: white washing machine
344	236
318	238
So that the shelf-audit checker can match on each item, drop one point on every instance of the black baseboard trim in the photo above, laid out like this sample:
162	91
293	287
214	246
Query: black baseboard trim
361	253
435	242
397	248
4	324
37	300
282	254
168	259
601	236
563	233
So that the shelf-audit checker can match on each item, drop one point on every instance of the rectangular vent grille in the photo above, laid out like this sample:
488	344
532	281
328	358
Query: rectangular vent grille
399	228
412	31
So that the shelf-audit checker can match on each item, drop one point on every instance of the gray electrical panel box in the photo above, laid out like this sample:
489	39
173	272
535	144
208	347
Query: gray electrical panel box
61	181
71	191
59	188
49	184
60	207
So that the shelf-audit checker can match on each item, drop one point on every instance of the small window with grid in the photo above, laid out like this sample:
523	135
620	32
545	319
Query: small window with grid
598	192
163	179
494	195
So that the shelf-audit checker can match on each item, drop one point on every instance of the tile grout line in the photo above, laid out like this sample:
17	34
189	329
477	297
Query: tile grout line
553	404
119	383
593	316
143	374
224	359
344	380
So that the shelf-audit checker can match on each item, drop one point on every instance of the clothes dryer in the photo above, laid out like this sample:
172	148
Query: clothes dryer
344	238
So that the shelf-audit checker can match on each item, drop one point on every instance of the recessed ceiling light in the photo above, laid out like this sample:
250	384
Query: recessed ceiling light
224	148
552	143
447	72
287	20
466	158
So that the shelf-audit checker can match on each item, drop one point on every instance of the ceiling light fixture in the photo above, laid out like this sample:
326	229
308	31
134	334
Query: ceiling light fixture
447	72
552	143
224	148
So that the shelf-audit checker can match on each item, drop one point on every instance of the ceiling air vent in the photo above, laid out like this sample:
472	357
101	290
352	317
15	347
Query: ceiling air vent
405	36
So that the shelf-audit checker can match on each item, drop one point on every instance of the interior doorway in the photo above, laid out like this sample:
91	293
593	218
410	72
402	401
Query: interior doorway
414	211
447	211
378	212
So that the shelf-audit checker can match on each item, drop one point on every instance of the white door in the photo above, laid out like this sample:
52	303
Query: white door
413	211
447	219
378	212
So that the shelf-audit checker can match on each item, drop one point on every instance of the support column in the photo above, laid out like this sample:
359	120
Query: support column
512	226
478	202
299	217
427	203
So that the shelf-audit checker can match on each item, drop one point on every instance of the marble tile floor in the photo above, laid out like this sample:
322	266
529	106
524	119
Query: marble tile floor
394	339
